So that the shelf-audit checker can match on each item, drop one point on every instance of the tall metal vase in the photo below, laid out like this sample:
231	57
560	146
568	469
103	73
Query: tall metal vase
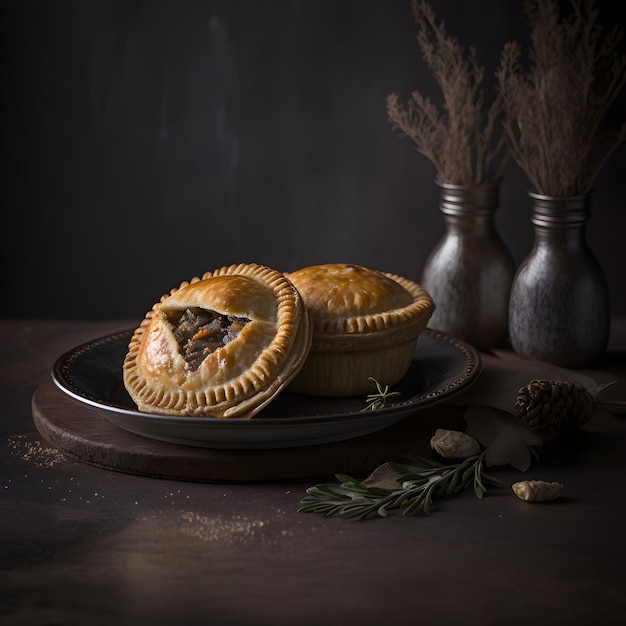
559	309
469	272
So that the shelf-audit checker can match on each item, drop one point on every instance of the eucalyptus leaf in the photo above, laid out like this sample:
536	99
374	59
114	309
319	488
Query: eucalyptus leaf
384	476
507	440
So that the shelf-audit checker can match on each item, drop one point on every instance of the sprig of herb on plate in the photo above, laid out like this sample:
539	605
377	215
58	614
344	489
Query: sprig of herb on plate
419	481
380	399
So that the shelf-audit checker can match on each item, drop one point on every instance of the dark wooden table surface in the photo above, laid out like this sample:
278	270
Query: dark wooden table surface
85	545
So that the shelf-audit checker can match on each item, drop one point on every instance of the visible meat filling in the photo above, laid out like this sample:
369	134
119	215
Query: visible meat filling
200	332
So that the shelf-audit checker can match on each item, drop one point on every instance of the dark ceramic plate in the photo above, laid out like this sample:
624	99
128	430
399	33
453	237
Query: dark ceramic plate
92	374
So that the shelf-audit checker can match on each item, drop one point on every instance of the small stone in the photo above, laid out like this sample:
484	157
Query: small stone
454	444
537	490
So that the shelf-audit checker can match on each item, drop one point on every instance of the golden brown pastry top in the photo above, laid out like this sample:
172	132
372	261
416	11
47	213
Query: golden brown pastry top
221	345
233	294
349	299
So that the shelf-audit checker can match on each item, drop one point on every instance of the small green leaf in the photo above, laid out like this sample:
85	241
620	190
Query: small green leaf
380	399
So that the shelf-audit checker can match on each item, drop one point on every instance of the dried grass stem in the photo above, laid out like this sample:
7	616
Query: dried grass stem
555	105
463	141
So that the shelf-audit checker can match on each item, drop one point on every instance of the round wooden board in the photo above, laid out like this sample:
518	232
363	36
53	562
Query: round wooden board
82	433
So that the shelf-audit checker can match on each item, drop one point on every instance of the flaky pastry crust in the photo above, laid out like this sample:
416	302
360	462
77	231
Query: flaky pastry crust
365	324
221	345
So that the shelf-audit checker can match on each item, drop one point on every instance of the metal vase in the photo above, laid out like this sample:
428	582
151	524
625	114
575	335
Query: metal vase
470	270
559	309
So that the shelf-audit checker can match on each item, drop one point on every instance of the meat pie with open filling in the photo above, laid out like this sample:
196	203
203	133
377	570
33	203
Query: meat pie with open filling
223	345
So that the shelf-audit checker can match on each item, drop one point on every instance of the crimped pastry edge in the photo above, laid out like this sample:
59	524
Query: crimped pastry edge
381	346
281	360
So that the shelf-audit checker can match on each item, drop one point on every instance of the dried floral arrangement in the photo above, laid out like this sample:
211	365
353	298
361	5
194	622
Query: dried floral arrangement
463	140
554	107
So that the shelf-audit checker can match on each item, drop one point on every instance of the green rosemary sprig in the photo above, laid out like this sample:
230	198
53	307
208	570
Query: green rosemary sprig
419	479
381	398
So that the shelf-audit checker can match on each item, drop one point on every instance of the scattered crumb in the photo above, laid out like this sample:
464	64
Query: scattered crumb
35	453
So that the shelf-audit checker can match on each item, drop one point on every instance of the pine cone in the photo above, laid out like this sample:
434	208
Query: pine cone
548	406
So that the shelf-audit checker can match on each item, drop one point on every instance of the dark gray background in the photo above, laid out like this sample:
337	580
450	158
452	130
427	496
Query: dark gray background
145	142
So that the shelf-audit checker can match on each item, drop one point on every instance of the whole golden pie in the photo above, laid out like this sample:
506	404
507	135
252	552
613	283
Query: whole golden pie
365	324
222	345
